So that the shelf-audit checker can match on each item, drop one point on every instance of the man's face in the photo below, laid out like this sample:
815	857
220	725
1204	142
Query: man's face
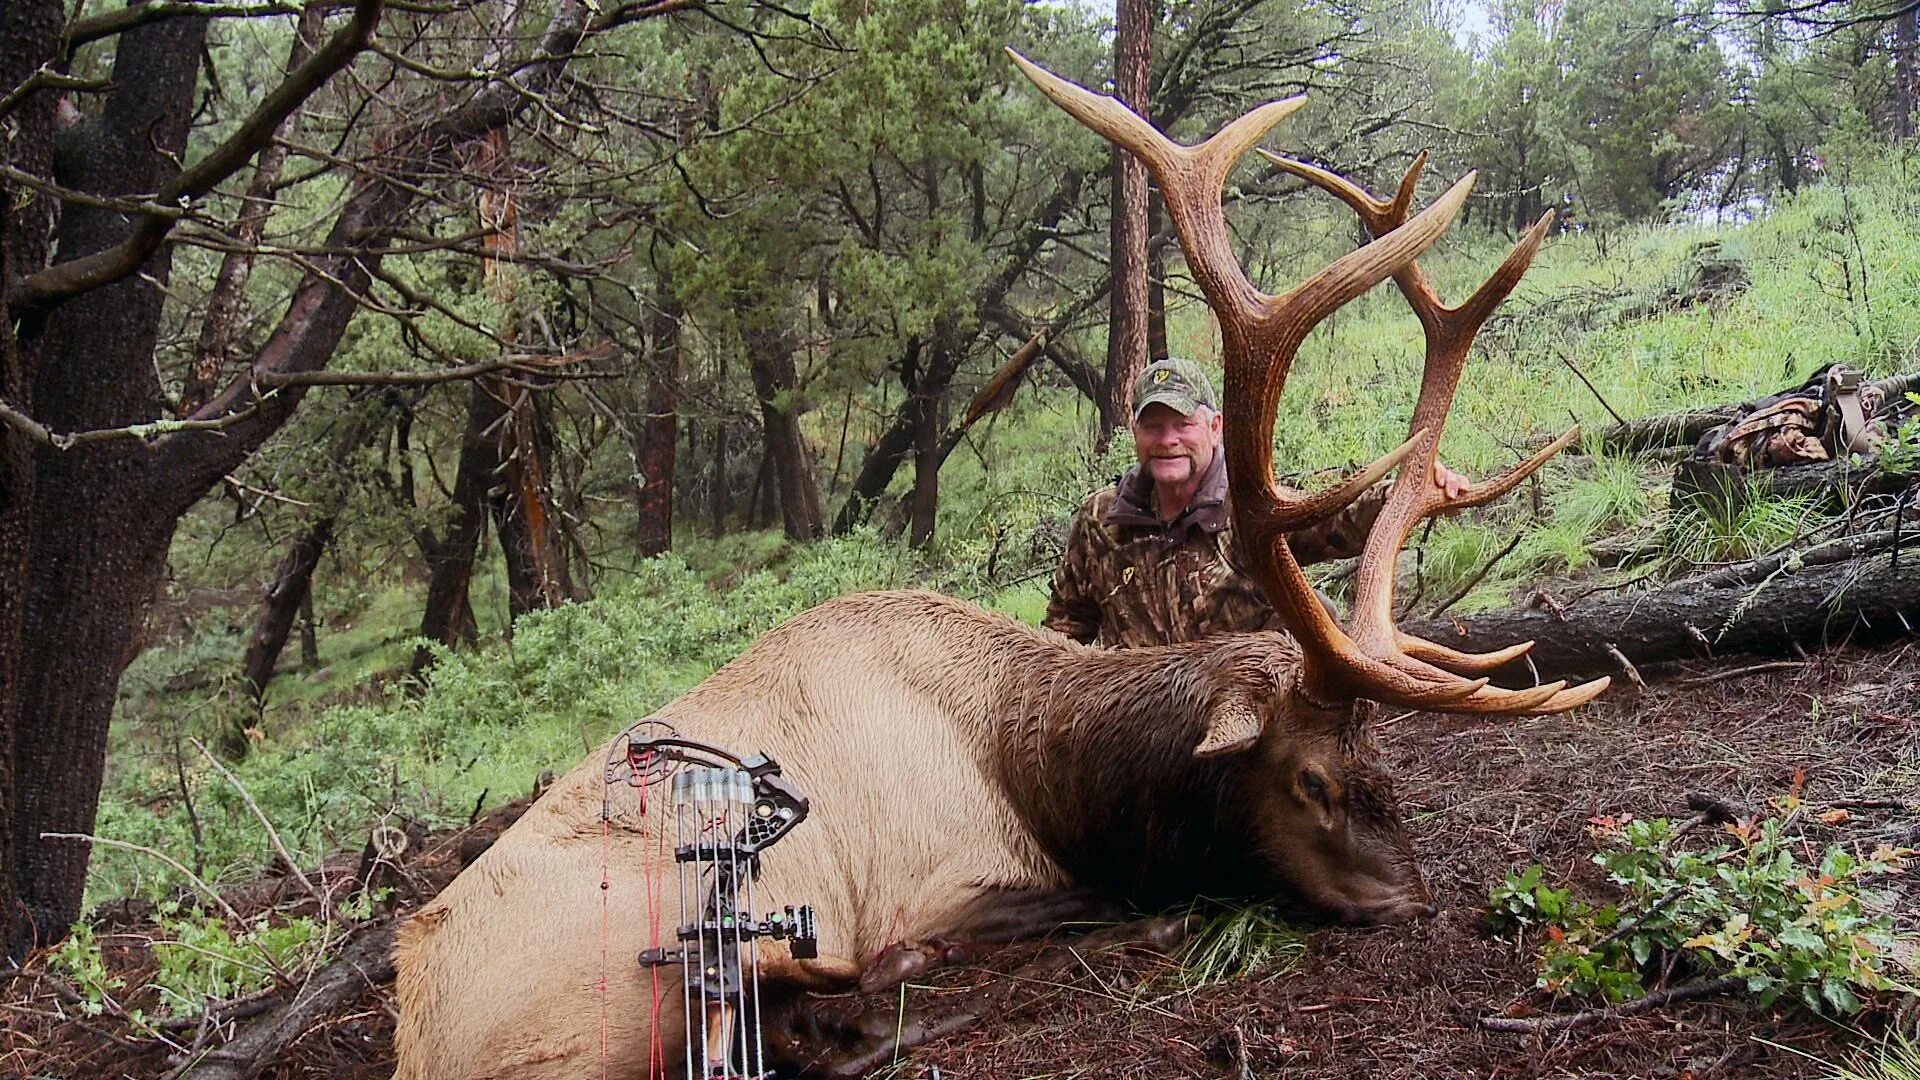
1174	448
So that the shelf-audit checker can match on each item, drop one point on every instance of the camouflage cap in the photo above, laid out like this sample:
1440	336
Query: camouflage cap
1176	382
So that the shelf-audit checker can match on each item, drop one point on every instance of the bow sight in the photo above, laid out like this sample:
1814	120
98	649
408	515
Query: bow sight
726	811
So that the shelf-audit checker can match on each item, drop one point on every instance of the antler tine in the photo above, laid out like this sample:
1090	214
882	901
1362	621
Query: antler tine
1381	216
1191	180
1463	663
1415	494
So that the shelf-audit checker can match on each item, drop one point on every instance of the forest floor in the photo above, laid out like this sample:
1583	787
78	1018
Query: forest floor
1402	1002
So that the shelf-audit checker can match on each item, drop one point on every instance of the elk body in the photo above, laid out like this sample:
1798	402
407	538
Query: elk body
970	774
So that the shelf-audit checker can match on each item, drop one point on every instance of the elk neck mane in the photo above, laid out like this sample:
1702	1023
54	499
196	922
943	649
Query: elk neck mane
1093	749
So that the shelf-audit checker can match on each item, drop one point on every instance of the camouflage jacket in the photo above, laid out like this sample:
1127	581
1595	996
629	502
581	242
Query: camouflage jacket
1128	579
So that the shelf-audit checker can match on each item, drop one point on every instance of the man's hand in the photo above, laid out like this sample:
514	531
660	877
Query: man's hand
1452	484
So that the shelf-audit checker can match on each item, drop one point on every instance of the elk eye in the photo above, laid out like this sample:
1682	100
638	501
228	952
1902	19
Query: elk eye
1314	785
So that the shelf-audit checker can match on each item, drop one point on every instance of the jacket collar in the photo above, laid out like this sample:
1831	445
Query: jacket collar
1133	503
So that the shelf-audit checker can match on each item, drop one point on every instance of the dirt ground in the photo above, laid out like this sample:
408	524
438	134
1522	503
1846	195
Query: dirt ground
1382	1004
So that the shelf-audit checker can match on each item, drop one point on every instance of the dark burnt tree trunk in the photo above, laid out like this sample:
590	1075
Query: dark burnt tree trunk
102	514
450	555
770	354
287	596
538	574
1127	318
30	34
660	429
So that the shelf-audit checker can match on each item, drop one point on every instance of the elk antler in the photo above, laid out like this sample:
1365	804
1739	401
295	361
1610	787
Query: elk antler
1260	336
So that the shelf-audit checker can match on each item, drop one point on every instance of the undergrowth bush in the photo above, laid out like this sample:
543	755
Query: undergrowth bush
1745	906
200	960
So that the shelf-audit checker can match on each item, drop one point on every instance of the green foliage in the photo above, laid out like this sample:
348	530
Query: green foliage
1237	943
1901	452
1750	524
201	960
1746	906
78	960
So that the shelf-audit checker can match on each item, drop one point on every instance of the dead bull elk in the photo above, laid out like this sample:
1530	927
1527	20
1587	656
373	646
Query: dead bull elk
962	764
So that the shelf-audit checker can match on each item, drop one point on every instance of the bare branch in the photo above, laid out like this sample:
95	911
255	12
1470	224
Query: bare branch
65	280
48	79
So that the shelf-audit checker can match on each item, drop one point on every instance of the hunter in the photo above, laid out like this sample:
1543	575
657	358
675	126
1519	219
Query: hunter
1150	560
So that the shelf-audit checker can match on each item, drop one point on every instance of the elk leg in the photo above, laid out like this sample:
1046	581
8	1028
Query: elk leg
994	916
829	1039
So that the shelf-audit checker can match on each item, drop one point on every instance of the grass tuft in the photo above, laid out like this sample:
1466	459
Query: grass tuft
1237	943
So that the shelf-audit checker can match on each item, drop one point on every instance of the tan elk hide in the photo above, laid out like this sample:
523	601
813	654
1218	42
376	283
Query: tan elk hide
961	764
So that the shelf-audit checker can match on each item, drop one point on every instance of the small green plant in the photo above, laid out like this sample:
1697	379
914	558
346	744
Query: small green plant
1236	943
1901	453
201	960
1745	907
78	960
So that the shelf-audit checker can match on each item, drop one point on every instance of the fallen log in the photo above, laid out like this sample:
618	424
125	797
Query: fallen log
366	961
1729	488
1763	612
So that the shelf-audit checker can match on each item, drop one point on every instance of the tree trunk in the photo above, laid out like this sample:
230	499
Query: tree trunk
1906	73
30	34
923	503
538	576
1874	597
103	515
291	590
285	598
448	618
1157	348
99	535
1725	490
309	633
775	384
720	498
1127	321
659	434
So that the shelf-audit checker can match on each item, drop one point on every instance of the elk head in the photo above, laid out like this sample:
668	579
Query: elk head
1320	809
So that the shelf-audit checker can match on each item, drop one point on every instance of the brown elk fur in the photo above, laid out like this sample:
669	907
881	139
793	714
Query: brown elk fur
951	752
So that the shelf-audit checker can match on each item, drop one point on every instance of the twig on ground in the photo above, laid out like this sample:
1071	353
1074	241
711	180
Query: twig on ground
1648	1003
1626	666
1739	672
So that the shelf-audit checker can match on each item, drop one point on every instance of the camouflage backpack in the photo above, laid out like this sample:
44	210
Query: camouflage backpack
1829	416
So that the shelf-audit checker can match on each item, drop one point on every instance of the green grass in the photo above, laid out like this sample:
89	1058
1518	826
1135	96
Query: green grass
1897	1058
1239	942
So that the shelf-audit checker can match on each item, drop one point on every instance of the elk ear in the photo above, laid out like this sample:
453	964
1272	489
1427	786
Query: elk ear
1234	722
